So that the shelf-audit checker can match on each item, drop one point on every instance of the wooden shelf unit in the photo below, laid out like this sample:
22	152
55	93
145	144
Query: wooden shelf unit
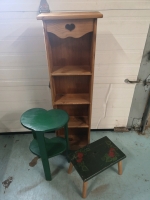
70	44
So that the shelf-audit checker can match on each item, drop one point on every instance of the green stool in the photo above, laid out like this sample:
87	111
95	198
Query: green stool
41	121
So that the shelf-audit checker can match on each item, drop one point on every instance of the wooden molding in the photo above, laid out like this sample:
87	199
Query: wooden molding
69	15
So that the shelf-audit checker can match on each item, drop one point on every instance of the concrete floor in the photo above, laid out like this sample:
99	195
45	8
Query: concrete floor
28	183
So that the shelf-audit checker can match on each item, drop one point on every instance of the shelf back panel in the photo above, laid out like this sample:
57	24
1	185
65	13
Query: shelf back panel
77	137
75	110
70	51
71	84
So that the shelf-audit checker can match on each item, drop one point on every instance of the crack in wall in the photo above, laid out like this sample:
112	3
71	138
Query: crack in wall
105	105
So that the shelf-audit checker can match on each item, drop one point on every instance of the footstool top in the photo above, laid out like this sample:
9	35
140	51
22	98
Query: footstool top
96	157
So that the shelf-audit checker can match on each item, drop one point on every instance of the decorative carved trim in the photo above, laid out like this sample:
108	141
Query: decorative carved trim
70	27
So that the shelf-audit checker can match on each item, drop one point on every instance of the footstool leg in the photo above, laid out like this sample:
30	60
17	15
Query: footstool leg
120	168
70	168
84	189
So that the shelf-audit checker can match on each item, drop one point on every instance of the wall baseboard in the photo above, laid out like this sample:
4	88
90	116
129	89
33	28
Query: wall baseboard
30	132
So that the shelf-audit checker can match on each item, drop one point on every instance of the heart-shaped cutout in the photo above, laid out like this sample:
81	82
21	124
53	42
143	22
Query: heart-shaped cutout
70	27
39	119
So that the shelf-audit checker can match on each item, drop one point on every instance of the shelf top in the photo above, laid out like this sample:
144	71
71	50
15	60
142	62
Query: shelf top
69	15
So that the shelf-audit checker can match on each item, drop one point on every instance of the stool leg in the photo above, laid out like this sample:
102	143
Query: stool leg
70	168
84	189
120	168
66	135
43	152
34	134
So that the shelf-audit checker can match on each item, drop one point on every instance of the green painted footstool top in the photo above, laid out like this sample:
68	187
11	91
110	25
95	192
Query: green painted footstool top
41	120
96	157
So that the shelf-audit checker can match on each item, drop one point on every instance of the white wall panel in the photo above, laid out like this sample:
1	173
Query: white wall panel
21	59
122	27
74	5
24	93
116	70
109	123
113	80
24	82
13	6
111	42
111	105
22	45
118	57
98	5
121	36
16	100
30	73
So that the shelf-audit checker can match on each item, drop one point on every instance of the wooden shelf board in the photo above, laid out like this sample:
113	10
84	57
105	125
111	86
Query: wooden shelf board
72	70
78	122
72	99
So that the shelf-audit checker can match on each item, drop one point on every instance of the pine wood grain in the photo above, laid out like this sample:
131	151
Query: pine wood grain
72	99
120	168
78	122
84	189
58	27
49	60
68	51
92	69
75	110
77	137
71	84
70	168
72	70
68	15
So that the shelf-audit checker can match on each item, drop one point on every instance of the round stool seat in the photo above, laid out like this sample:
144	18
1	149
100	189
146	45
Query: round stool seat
41	120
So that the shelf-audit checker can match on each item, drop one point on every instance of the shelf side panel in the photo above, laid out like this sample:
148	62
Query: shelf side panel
49	61
92	70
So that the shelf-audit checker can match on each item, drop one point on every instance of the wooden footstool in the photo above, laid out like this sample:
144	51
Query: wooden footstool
94	158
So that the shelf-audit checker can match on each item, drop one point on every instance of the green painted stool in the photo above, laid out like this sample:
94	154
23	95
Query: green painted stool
41	121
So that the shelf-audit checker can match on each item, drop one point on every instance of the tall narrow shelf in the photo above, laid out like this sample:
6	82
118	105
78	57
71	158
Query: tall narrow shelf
70	44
